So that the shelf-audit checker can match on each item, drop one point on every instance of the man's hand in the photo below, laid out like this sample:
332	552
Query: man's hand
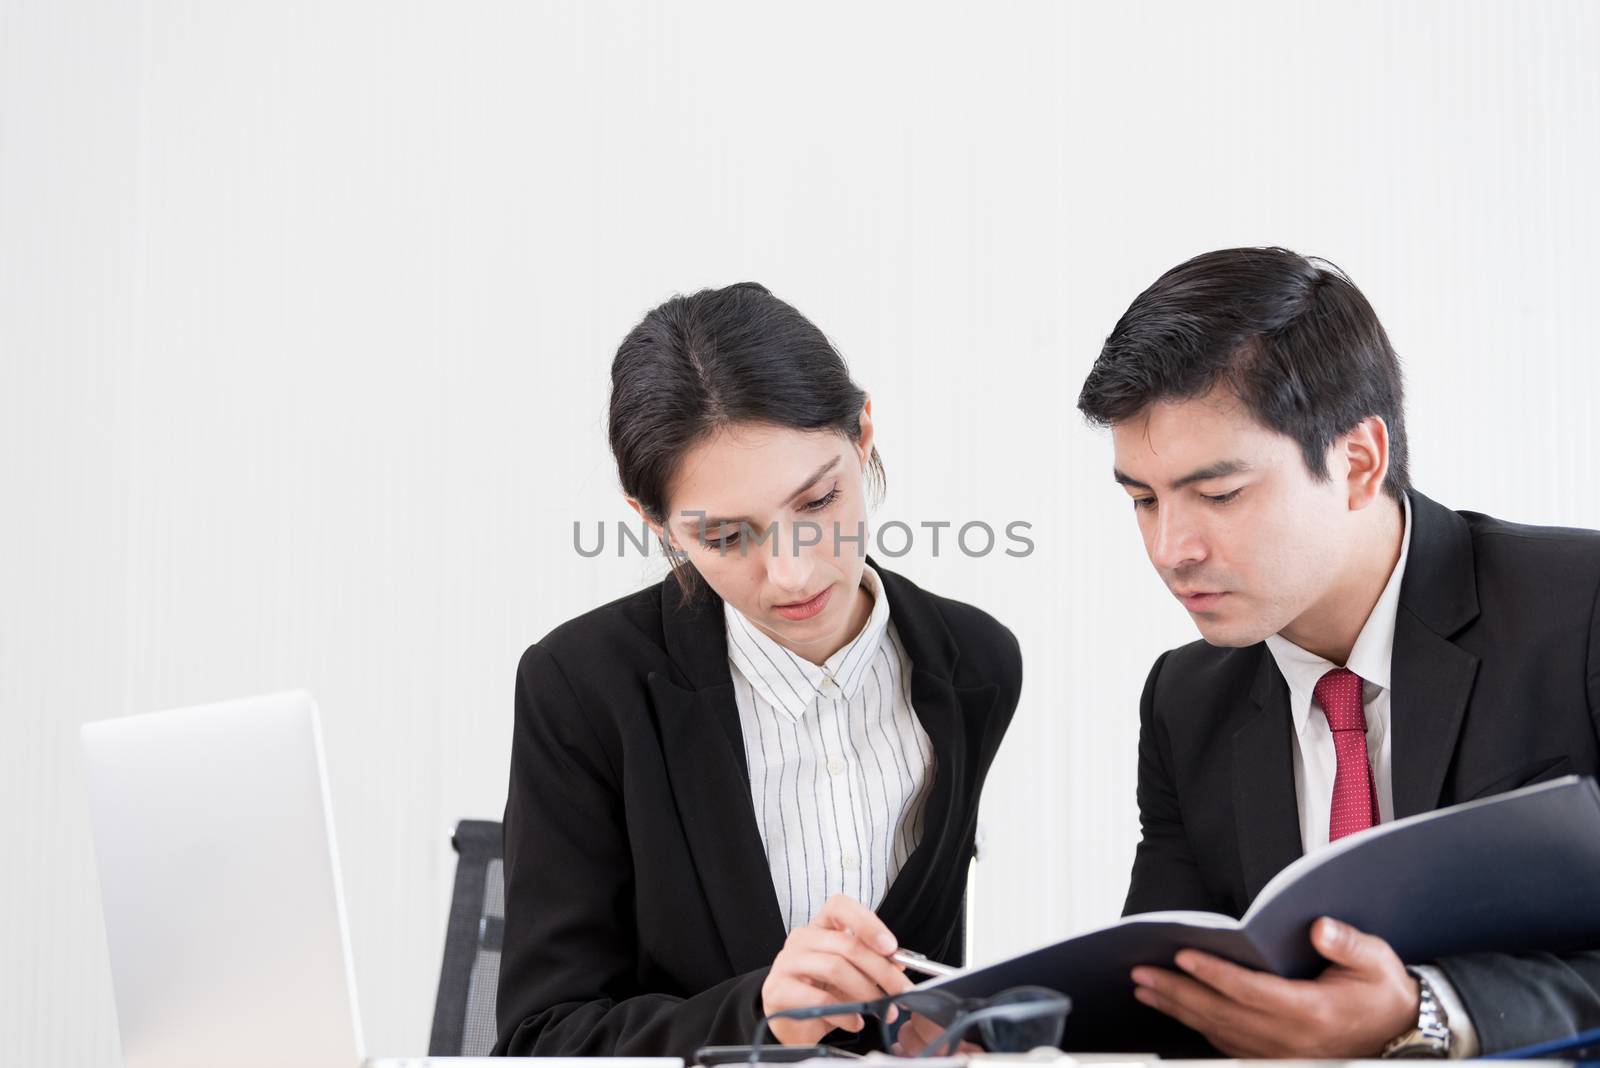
1364	999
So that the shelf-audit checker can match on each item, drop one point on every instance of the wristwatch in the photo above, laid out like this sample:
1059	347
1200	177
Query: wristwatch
1431	1036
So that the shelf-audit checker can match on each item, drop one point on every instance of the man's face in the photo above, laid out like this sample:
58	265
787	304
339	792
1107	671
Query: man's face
1232	519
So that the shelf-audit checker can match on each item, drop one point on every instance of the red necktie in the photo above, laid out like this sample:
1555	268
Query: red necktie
1355	801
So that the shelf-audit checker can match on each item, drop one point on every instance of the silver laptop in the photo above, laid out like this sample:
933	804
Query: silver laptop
219	876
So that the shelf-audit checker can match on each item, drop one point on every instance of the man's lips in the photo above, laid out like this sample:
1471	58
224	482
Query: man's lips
1199	600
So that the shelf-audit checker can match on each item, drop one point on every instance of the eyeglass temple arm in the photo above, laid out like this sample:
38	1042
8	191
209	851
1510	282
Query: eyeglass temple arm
951	1036
810	1013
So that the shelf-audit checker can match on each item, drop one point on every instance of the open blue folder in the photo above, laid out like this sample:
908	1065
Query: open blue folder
1517	872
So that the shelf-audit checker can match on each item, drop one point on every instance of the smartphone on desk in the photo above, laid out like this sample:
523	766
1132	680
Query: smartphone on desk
773	1054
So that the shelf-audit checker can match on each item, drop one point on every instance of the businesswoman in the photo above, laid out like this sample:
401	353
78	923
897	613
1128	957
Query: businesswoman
739	790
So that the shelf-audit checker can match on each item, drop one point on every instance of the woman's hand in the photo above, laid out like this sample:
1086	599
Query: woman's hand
841	955
918	1032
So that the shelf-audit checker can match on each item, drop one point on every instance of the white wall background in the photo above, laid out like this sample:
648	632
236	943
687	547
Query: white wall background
306	313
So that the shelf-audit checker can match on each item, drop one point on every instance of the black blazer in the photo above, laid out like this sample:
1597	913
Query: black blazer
640	915
1496	684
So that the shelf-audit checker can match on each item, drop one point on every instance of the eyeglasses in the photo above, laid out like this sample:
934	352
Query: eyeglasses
1013	1021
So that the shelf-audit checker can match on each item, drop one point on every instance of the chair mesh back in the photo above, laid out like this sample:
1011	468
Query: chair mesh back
463	1015
480	1031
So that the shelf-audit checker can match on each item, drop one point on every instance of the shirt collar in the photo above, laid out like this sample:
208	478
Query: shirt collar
792	683
1371	655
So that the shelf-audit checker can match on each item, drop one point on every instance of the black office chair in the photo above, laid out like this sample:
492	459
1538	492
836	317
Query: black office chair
463	1015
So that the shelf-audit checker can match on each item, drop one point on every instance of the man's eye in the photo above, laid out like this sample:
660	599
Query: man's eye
1221	498
1147	503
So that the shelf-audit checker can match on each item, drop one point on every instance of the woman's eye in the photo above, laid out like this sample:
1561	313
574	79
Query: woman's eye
723	542
822	502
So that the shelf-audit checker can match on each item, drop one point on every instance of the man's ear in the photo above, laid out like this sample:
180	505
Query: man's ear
1366	452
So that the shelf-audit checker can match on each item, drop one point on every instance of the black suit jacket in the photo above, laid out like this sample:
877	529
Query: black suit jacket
640	913
1496	684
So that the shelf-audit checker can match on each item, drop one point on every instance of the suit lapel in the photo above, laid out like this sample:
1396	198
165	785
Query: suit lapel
945	712
703	746
1432	676
1432	681
1265	808
954	718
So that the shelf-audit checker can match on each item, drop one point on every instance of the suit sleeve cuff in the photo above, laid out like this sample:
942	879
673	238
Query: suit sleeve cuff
1463	1036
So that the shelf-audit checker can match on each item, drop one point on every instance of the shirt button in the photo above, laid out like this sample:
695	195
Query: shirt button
835	766
851	863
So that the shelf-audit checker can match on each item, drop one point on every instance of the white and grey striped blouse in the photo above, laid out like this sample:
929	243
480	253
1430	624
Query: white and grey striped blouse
840	767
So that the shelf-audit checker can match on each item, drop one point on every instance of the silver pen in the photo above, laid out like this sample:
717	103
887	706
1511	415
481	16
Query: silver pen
918	963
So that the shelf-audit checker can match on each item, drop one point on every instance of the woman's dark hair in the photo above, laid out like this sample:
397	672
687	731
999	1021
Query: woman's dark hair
1291	337
714	359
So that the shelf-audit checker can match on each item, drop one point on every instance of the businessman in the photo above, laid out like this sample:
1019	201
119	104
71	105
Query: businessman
1368	654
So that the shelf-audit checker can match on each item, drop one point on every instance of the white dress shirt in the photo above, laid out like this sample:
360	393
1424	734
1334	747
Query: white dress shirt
840	766
1316	761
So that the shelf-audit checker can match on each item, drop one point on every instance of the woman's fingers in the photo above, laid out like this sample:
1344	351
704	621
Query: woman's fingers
883	973
798	1032
859	934
847	914
837	977
841	956
915	1034
918	1031
784	991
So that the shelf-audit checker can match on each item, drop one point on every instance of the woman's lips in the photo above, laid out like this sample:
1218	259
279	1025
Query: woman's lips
804	609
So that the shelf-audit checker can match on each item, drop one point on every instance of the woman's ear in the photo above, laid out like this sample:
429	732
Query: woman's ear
864	439
655	528
672	551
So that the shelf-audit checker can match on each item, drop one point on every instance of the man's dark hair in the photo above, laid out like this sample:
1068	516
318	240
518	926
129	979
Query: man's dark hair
714	359
1291	337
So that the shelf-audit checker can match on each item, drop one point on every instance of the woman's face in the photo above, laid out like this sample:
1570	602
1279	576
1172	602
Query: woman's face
774	519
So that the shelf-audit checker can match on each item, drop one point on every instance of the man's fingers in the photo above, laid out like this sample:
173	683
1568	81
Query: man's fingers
1258	990
1191	1003
1361	1001
847	914
1219	1036
1343	944
1240	1047
1149	995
